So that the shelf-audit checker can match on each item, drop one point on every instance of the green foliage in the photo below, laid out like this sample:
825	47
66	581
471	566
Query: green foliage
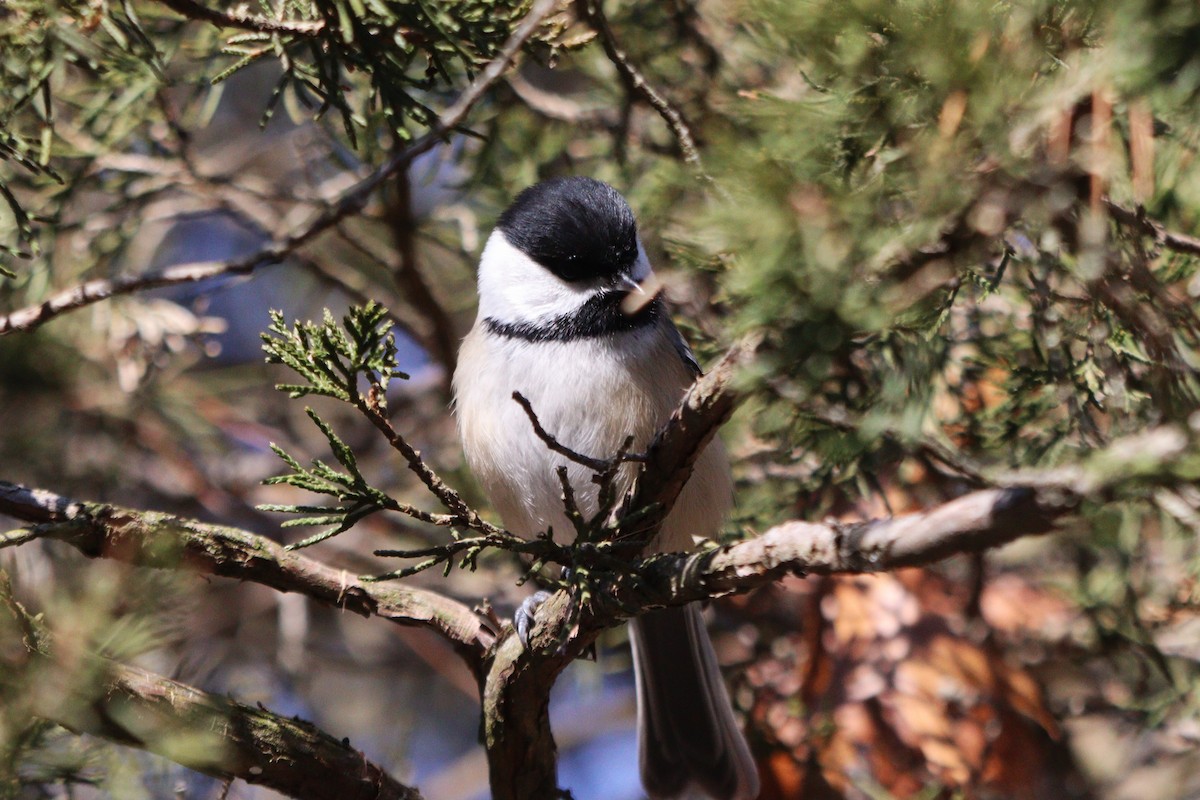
40	44
357	498
80	80
926	268
332	359
375	61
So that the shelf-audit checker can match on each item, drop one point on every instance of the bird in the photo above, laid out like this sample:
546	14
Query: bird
554	324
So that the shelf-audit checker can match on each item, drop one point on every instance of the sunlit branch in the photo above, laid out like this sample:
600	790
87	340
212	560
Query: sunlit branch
165	541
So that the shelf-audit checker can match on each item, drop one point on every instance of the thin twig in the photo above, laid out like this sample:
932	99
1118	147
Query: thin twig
351	203
598	465
570	505
558	107
636	82
542	549
1137	219
31	637
246	22
464	515
440	340
608	498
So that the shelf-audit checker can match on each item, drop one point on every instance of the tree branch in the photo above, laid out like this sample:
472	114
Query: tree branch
1022	504
197	11
974	522
164	541
598	465
439	335
636	82
1138	221
209	733
514	679
673	453
461	512
350	203
522	756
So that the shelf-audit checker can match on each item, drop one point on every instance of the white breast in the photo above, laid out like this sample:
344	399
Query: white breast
590	394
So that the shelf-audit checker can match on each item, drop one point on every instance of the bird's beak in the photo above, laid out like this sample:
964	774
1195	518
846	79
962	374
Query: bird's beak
632	285
641	293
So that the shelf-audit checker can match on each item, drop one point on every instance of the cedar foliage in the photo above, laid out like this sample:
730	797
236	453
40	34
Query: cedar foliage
962	227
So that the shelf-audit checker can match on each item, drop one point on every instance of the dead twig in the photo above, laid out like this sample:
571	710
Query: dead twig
598	465
636	82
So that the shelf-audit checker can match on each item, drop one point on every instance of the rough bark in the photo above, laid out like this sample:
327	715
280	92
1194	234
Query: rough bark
209	733
165	541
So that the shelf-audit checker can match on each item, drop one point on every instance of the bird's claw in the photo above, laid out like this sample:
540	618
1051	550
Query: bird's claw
523	618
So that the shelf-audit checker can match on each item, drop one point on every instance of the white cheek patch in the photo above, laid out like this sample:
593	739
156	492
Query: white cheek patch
513	288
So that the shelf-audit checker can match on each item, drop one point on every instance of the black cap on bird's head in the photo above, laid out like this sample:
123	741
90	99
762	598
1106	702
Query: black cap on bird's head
580	229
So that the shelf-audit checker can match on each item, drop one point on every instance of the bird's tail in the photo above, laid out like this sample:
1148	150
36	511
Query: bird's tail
687	735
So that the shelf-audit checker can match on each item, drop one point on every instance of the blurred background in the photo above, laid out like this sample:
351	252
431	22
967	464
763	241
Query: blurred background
948	219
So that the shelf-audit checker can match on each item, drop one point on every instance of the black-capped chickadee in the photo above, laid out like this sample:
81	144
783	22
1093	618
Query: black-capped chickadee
552	326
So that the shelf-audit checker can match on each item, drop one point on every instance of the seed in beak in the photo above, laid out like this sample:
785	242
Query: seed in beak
640	294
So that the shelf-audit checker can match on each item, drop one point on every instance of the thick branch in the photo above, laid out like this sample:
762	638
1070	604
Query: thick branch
522	756
975	522
673	453
1023	504
164	541
210	733
352	202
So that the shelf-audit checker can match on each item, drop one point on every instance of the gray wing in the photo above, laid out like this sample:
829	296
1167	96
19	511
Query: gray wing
681	347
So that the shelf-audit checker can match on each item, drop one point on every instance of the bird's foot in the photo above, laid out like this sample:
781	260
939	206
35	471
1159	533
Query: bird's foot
523	618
